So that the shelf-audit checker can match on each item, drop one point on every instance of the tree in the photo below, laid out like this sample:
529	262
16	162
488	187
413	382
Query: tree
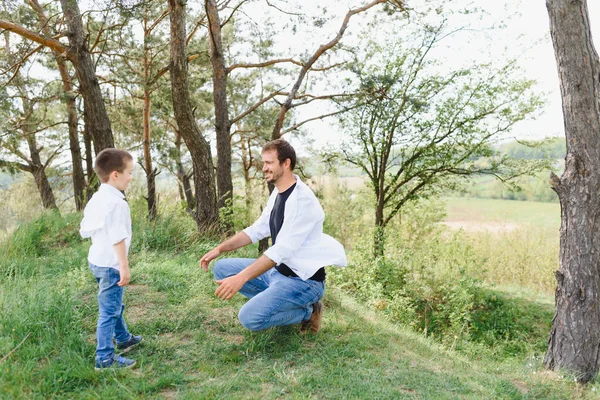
95	115
206	211
575	334
413	130
78	177
26	116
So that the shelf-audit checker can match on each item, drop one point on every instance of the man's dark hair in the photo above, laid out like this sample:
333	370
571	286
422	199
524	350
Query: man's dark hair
109	160
284	150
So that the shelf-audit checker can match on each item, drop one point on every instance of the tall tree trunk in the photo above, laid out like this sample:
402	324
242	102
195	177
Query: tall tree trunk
379	234
92	179
150	172
69	99
206	211
95	116
222	122
34	164
574	341
38	169
247	165
183	178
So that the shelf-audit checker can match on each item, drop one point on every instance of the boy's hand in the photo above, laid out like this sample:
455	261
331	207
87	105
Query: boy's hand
208	257
125	276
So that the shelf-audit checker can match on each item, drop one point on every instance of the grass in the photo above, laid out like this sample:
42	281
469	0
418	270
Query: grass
525	213
524	249
194	347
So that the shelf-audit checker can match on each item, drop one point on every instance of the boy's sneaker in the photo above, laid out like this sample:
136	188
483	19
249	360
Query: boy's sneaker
116	362
128	345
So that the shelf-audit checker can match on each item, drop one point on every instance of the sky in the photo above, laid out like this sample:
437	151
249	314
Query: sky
526	36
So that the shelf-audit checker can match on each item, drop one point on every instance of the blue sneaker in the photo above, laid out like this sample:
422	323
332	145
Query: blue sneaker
128	345
116	362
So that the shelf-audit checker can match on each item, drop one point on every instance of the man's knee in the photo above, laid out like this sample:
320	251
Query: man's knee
251	320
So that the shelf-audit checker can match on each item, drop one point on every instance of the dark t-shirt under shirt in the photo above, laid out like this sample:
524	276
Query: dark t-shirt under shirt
275	223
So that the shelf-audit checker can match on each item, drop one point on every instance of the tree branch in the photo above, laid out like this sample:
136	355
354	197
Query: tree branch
43	40
307	66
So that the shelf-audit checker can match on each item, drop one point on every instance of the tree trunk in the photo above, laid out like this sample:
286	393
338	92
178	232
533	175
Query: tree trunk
206	211
38	169
92	179
222	122
379	234
96	117
78	176
183	177
574	341
150	172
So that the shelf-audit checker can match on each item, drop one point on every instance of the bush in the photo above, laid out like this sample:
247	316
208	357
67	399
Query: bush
427	281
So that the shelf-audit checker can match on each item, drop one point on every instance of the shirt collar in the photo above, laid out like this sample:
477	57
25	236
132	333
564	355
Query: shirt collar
111	190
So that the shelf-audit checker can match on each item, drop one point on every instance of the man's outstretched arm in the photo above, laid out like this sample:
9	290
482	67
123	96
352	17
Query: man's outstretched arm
238	240
231	285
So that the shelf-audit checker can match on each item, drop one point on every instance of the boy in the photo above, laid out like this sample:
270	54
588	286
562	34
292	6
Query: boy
107	220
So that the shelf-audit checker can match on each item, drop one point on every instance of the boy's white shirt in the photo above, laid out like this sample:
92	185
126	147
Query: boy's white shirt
301	243
107	220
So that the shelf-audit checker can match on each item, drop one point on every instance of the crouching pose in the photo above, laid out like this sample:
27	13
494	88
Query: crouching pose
285	284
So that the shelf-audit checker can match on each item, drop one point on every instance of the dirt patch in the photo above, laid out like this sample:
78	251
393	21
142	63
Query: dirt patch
473	226
521	386
169	394
143	304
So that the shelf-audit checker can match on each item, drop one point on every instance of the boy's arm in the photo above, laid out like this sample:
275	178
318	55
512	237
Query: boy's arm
121	251
240	239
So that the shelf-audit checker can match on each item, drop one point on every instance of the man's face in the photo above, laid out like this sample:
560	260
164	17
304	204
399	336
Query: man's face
272	169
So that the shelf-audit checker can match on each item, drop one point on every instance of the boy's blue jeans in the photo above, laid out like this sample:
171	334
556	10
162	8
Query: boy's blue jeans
110	307
275	299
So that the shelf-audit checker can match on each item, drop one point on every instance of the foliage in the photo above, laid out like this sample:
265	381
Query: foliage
414	131
553	148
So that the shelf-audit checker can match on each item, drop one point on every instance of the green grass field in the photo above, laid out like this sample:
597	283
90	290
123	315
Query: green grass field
522	213
194	347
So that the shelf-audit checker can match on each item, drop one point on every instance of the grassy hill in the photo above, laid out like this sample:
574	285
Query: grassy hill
194	346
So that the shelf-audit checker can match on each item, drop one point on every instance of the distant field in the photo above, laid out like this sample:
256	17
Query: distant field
473	214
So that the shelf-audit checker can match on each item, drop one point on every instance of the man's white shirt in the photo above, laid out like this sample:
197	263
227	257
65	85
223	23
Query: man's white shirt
301	243
107	220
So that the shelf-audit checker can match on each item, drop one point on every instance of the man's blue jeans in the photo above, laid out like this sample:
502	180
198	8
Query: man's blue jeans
275	299
110	308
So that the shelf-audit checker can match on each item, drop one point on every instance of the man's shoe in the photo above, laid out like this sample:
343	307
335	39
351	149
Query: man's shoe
128	345
116	362
314	323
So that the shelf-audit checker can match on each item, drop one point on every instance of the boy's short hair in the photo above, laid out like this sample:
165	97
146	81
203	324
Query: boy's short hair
284	150
109	160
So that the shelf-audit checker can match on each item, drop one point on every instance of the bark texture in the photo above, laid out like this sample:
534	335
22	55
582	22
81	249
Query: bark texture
206	211
69	100
95	116
574	342
222	121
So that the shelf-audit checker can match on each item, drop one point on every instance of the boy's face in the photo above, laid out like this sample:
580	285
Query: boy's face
121	180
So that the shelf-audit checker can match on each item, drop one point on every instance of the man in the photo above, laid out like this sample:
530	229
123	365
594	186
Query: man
285	284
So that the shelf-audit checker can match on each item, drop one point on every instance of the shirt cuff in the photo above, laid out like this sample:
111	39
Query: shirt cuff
251	234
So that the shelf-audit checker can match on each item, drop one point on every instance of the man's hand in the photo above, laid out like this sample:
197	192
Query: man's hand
125	275
229	286
208	257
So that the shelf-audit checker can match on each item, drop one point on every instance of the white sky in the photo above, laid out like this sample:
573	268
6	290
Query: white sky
526	37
